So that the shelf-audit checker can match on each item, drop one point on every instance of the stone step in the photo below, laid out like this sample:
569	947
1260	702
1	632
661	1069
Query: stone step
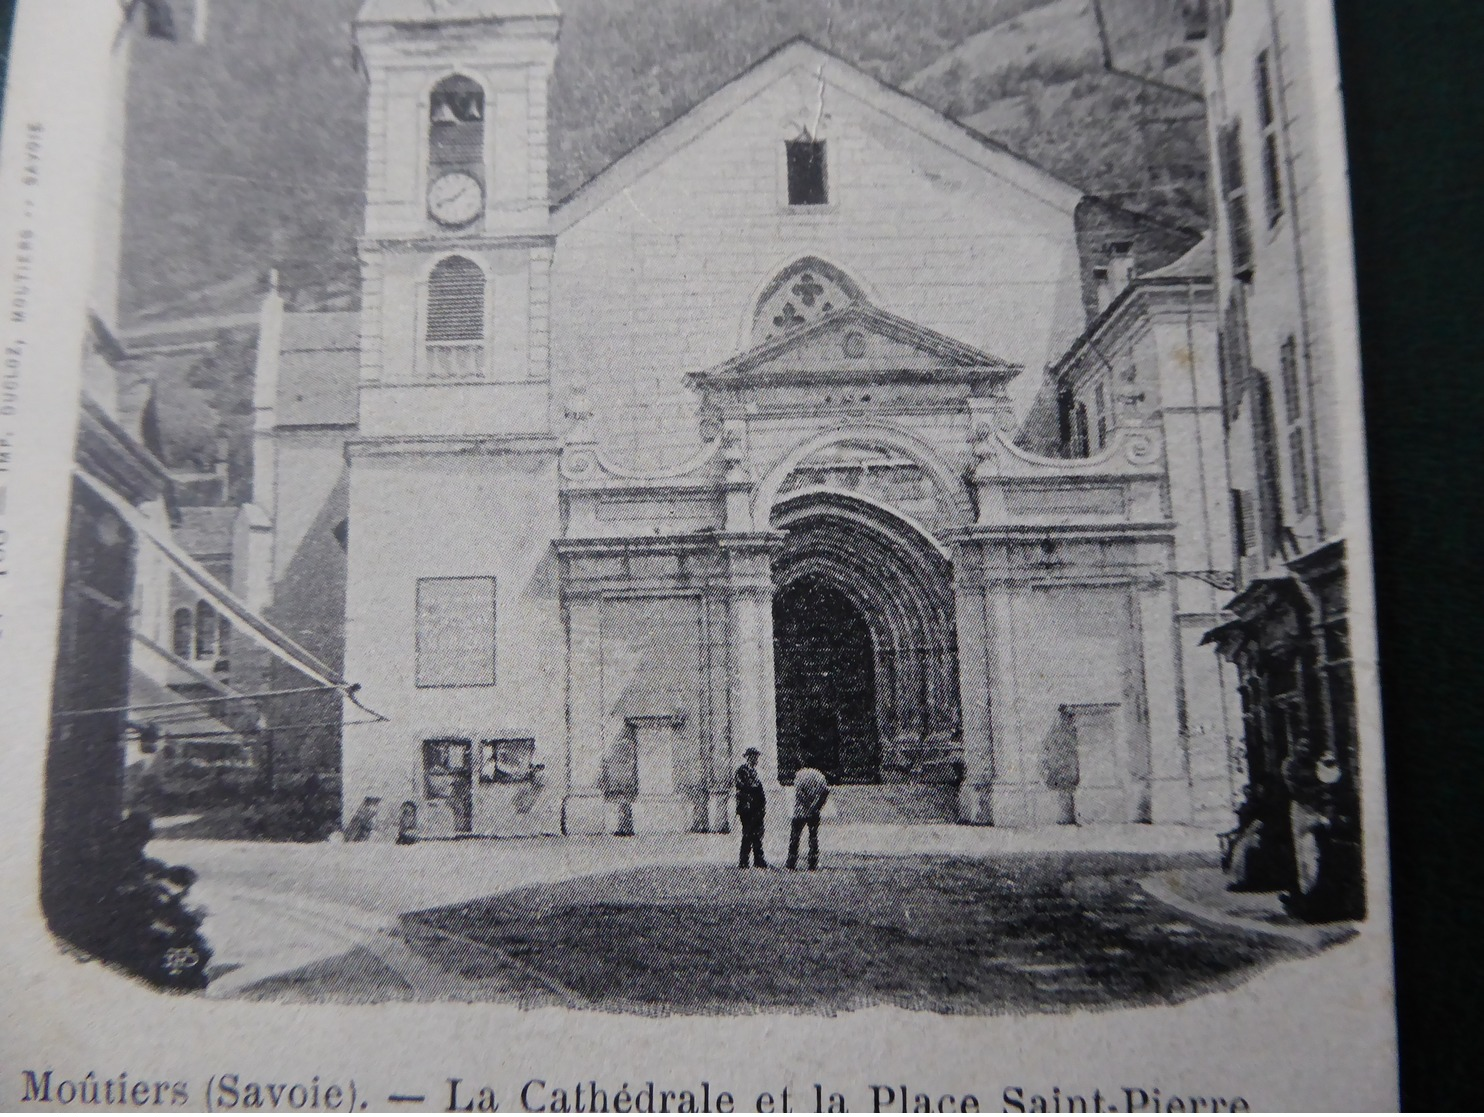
900	804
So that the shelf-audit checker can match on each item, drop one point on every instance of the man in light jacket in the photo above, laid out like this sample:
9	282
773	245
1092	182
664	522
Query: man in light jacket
811	789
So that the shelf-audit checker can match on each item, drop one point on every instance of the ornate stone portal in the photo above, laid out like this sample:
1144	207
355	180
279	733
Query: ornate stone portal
862	572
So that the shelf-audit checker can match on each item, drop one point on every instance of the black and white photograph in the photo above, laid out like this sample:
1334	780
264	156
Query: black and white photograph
698	509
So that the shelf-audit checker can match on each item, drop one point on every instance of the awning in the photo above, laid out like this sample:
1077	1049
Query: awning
246	621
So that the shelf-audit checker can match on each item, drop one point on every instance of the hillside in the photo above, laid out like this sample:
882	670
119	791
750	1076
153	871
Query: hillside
1037	84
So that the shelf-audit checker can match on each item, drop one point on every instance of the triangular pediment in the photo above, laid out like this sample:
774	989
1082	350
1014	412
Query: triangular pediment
799	56
857	344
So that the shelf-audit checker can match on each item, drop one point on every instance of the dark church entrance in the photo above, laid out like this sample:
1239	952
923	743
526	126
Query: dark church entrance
826	685
864	649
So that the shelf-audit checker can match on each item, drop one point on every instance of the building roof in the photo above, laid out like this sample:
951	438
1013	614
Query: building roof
421	11
1193	267
206	531
319	368
1198	263
799	53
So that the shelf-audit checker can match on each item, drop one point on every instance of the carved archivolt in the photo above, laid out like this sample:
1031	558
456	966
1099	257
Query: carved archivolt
902	585
880	465
879	473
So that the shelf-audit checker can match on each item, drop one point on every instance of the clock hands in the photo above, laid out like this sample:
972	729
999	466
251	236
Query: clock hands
455	198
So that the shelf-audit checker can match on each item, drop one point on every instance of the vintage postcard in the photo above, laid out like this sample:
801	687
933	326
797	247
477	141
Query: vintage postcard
668	556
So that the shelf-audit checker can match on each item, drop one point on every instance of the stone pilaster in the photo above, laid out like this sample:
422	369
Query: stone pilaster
747	562
1169	770
973	685
584	810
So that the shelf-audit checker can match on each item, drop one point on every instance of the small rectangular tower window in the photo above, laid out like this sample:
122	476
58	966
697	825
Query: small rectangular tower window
455	632
807	183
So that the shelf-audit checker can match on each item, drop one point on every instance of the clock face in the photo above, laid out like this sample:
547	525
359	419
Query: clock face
455	198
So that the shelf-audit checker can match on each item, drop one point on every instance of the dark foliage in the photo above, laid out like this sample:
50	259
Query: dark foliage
140	921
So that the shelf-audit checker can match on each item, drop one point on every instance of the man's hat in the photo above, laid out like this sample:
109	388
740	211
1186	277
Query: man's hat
752	752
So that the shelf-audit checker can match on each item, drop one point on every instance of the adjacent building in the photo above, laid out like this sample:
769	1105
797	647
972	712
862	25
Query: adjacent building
147	623
1281	390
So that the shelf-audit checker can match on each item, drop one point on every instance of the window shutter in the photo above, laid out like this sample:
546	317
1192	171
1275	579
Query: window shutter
1298	465
1267	118
1269	487
1244	522
205	631
455	302
1235	188
184	630
1293	403
1265	114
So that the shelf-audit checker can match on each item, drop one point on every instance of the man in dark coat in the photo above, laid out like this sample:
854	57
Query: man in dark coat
751	806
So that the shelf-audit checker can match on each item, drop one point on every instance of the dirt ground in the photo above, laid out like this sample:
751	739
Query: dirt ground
1008	933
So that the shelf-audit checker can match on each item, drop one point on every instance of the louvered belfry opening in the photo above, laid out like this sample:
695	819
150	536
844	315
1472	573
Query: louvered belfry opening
455	323
456	127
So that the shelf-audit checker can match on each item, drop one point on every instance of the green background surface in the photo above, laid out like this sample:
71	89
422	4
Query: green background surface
1415	101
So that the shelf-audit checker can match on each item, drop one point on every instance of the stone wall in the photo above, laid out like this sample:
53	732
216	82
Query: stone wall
486	511
658	276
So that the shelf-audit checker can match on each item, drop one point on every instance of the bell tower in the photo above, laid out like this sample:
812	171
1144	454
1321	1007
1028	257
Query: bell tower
457	250
450	623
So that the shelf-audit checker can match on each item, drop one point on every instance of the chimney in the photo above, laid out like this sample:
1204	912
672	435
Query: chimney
1120	266
1197	17
1104	287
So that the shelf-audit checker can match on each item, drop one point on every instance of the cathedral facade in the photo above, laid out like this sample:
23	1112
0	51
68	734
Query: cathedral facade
816	424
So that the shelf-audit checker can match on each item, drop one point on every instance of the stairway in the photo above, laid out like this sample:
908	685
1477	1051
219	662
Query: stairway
893	804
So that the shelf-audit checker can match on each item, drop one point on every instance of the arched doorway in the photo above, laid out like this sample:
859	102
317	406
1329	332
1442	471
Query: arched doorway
865	648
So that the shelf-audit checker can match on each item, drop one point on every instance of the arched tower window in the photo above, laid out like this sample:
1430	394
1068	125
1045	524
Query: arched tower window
805	290
456	128
454	331
205	631
183	630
